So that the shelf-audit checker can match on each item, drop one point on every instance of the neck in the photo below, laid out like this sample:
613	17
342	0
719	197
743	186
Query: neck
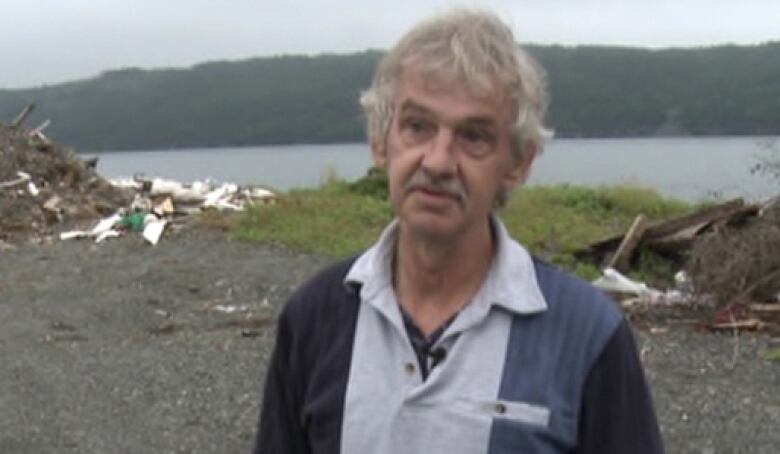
436	279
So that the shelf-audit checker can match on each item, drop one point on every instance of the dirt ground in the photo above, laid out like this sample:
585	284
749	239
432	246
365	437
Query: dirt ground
121	348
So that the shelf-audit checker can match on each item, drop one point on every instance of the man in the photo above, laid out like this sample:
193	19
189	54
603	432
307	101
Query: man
446	336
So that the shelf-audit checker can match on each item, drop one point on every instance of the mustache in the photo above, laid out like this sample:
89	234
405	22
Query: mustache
450	186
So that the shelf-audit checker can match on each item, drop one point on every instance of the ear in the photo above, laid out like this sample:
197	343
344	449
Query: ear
521	168
379	152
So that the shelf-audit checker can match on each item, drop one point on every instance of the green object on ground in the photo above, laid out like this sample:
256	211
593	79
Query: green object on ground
135	221
773	354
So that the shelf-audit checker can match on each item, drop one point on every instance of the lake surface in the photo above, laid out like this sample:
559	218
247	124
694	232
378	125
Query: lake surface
689	168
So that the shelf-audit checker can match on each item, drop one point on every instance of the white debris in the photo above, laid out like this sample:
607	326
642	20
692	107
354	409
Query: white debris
105	224
101	231
220	196
153	229
230	308
179	191
683	282
32	189
126	183
73	234
613	281
23	177
111	233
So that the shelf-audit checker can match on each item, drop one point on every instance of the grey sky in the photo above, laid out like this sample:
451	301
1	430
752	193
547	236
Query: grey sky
49	41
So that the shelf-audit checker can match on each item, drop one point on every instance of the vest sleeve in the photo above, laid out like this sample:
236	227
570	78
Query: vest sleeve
280	429
617	413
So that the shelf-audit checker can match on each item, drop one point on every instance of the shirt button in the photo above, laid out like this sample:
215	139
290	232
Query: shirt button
500	408
409	368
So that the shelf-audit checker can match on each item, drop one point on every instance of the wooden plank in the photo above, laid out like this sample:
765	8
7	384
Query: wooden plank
22	116
621	261
706	216
750	324
691	224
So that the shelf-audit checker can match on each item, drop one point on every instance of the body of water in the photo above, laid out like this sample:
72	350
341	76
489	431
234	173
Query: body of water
691	168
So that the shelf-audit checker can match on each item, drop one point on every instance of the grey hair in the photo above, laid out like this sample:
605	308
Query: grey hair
474	47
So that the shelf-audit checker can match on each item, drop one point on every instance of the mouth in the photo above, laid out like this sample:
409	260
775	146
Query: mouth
435	194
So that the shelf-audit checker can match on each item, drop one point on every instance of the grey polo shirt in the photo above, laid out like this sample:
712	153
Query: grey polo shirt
538	362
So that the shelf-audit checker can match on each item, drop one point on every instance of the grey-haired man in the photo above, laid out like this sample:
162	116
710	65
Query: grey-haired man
447	336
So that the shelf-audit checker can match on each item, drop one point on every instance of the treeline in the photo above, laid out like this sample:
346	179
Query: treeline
596	92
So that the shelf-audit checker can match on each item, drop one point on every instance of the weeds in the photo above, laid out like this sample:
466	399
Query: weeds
341	219
773	354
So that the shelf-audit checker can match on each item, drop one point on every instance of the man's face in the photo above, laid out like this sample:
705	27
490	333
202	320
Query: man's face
447	154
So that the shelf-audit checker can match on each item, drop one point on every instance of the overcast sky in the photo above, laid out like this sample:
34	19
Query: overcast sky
49	41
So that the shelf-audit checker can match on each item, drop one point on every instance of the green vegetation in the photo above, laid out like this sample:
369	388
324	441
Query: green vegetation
341	219
333	220
773	354
596	92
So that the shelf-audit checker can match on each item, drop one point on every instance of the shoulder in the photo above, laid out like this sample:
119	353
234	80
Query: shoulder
576	307
323	299
571	294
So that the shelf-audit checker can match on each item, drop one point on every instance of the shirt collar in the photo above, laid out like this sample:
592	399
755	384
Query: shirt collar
511	281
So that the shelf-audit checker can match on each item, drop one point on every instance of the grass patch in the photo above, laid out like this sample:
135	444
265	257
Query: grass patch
215	219
554	221
341	219
773	354
332	220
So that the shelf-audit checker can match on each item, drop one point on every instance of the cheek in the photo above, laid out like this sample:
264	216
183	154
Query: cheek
396	178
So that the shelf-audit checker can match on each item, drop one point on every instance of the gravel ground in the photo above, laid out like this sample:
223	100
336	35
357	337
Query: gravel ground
121	348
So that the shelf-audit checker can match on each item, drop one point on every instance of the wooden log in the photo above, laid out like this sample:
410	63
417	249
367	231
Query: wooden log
22	116
750	324
621	260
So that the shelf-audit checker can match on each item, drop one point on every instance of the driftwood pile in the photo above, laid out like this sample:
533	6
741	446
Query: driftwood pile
731	251
44	184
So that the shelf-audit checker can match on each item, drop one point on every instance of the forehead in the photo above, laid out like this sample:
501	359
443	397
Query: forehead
451	98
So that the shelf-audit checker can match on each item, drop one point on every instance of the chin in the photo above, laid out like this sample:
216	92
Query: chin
431	225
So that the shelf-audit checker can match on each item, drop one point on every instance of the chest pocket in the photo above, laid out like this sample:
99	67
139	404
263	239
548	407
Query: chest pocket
517	426
535	417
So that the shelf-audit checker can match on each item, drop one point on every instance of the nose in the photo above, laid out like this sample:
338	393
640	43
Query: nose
439	159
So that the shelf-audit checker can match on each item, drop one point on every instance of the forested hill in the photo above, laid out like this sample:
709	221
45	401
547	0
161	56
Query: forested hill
596	92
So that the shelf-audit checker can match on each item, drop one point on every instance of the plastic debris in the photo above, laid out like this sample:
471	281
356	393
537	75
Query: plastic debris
613	281
140	203
72	235
683	281
32	189
134	221
126	183
106	224
102	230
23	177
154	229
165	207
107	234
187	193
230	308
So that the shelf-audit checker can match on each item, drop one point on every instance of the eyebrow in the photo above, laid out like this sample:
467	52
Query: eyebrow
479	120
412	105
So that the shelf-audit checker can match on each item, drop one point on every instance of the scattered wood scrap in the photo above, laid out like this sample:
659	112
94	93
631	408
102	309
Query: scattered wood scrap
622	258
669	236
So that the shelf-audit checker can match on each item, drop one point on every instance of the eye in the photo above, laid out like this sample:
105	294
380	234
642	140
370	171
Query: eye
475	141
416	128
473	136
